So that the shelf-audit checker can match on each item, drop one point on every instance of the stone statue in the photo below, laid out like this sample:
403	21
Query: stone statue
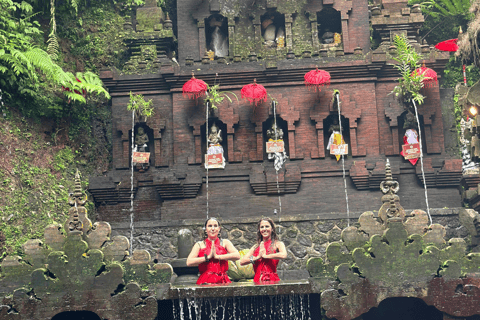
214	139
328	36
219	42
270	32
141	140
271	132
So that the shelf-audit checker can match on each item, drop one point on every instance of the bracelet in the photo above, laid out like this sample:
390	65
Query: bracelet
251	259
206	259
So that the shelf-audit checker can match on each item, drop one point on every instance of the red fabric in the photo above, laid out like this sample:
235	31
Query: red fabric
194	88
214	271
447	45
265	269
254	92
430	79
316	78
412	161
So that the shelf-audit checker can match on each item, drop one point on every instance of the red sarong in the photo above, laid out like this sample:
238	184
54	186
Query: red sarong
214	271
265	269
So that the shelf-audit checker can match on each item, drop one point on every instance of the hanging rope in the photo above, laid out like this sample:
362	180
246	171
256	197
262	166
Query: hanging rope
421	161
276	138
343	160
131	185
206	164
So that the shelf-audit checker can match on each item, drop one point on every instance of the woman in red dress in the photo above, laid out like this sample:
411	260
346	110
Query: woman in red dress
266	253
211	255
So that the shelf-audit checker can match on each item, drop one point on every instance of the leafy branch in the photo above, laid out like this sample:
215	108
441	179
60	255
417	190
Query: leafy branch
216	97
410	82
141	107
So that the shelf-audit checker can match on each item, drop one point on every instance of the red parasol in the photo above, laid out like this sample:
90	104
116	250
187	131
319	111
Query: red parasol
451	45
430	77
254	92
316	78
447	45
194	88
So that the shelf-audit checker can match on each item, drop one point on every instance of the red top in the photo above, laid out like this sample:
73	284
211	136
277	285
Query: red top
265	269
214	271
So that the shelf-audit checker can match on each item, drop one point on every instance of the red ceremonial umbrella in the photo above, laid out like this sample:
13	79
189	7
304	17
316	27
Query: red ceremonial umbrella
254	92
451	45
447	45
194	88
430	79
316	78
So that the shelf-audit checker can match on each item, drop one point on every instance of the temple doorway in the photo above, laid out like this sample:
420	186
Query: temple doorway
76	315
403	309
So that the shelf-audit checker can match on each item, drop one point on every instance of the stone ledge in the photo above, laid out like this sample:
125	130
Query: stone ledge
235	289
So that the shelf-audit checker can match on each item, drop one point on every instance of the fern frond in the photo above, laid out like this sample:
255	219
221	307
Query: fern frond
53	46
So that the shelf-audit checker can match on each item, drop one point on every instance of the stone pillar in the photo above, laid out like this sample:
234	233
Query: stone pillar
202	42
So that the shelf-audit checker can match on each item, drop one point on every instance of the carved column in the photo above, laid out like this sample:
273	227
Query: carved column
314	27
288	31
257	155
202	42
257	27
346	41
231	37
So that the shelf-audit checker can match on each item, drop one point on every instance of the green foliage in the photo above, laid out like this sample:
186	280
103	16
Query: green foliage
215	97
444	8
93	38
453	73
25	68
141	107
35	180
410	82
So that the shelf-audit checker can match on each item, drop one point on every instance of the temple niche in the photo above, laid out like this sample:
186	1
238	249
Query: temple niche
406	124
217	138
216	35
329	27
331	126
143	142
269	133
273	29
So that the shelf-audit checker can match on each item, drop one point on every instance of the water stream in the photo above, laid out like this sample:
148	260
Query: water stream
421	161
131	185
278	307
343	159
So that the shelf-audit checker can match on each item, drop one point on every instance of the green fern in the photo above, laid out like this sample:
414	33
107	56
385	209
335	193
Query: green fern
410	83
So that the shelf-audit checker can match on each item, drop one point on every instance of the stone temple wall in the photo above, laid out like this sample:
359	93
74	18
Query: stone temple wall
305	237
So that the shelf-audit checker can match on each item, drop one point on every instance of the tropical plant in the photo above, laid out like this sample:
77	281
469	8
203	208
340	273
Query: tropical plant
410	82
24	66
215	97
447	7
141	107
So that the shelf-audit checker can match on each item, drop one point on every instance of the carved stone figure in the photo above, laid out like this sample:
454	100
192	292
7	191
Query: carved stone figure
141	140
328	36
272	135
219	42
214	139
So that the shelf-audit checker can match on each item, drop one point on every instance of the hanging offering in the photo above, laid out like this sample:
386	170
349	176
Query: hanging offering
336	143
275	146
214	158
411	147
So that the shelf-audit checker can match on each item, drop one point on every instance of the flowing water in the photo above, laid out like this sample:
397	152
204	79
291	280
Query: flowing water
131	186
279	307
343	160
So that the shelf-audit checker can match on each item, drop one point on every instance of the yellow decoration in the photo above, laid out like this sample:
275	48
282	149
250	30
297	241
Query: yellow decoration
211	55
337	38
280	42
236	272
338	139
